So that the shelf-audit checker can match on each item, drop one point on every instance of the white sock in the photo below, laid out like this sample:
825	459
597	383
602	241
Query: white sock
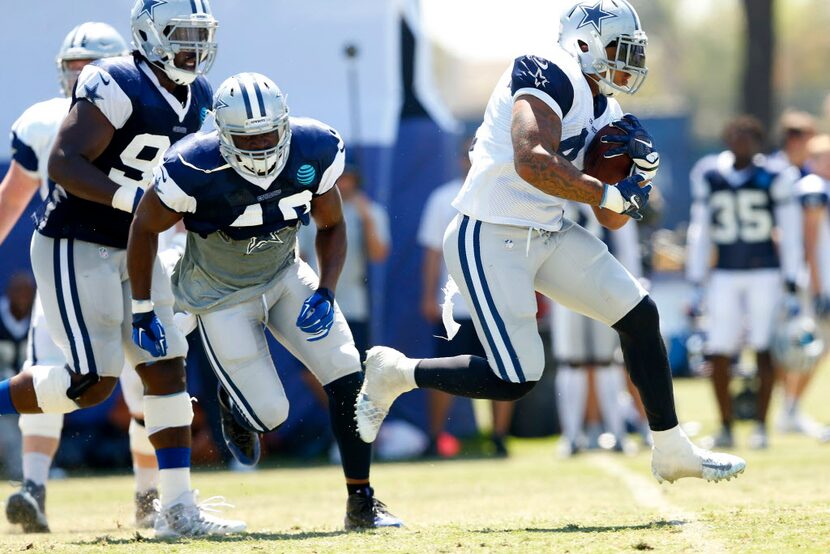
146	478
670	439
173	483
36	467
571	392
610	382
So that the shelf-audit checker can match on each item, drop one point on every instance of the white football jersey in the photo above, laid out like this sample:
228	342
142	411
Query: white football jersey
33	135
493	191
813	191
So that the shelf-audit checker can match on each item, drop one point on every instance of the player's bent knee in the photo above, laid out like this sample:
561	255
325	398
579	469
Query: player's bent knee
51	384
165	412
41	425
644	318
93	394
273	415
140	439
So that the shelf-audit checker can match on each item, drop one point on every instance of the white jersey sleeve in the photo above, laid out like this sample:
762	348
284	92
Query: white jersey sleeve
171	194
99	88
33	135
789	220
335	169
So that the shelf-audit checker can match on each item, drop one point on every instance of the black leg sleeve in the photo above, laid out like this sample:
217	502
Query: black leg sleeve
468	376
648	363
355	454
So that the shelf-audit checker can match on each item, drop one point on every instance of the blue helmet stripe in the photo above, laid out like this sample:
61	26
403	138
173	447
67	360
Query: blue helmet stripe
193	6
246	98
259	98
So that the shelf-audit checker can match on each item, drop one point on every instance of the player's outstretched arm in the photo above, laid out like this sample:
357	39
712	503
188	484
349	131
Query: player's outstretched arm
16	191
85	134
330	243
151	218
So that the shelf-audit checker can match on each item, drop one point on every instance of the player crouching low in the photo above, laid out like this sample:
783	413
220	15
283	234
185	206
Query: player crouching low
527	160
243	194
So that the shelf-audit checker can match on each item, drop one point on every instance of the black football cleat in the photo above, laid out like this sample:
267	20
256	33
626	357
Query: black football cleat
367	512
241	441
27	507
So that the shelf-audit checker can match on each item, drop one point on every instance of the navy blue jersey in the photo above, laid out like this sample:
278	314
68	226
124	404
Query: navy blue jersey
147	120
13	340
196	181
742	214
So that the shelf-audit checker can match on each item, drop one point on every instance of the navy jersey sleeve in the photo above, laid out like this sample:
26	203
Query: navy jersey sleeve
545	80
23	154
318	155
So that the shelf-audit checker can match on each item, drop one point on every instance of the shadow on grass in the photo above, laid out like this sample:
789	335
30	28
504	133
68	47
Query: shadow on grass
575	528
242	537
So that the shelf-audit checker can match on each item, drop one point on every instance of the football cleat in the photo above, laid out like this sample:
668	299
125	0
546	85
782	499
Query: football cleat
383	382
145	509
241	441
367	512
28	508
687	460
186	518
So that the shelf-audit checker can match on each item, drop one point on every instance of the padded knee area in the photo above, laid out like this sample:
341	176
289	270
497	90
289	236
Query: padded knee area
164	412
51	384
41	425
642	319
140	439
272	416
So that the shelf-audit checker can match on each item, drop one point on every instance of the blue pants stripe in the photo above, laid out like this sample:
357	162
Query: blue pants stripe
61	306
225	378
492	305
76	304
465	269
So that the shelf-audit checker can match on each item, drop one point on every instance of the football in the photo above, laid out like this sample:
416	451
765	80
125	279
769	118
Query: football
610	170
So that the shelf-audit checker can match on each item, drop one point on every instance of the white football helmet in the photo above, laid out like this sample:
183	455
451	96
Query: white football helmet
252	104
796	345
87	41
597	24
164	28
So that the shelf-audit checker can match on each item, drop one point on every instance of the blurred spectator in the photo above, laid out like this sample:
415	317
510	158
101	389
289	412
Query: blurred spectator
796	129
437	215
738	207
813	190
15	310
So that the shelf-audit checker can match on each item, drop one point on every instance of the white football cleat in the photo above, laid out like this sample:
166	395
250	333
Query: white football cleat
688	460
186	518
388	375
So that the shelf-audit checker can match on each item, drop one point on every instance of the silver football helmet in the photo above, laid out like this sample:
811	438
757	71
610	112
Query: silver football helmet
250	104
796	344
164	28
589	26
87	41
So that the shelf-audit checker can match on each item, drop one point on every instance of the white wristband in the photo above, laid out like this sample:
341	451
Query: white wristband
142	306
612	199
124	198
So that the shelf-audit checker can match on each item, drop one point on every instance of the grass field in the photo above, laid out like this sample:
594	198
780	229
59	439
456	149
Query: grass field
531	502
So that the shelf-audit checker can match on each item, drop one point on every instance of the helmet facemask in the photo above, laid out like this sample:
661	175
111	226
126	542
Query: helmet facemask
261	163
630	58
194	35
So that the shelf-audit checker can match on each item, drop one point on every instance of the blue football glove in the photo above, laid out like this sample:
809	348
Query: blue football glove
148	334
634	197
637	143
317	314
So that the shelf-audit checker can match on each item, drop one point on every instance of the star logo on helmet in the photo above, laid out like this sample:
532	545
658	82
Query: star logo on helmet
220	103
150	6
91	93
594	15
